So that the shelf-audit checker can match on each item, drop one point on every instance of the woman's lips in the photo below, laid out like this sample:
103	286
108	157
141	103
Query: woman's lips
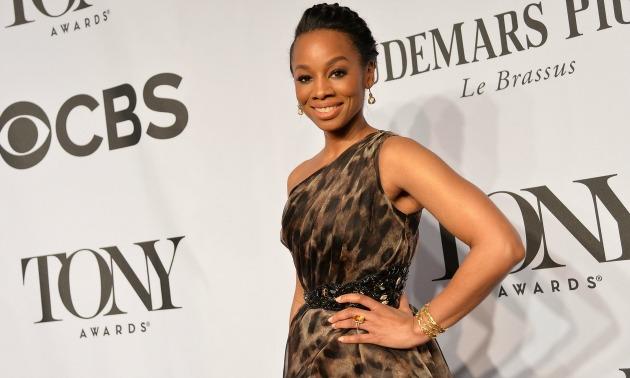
328	112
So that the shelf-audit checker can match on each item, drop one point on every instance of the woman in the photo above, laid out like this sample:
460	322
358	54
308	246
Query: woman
351	222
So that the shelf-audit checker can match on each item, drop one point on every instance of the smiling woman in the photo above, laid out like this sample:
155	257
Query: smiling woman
351	222
332	89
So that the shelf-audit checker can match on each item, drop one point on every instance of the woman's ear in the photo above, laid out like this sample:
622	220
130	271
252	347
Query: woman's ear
370	74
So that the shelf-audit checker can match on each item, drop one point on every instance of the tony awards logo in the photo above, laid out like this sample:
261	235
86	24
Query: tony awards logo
28	11
114	272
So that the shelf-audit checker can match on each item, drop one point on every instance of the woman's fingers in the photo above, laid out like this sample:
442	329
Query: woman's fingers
348	313
365	300
349	323
367	338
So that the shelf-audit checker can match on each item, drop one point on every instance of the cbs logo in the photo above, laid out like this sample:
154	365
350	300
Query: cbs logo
23	143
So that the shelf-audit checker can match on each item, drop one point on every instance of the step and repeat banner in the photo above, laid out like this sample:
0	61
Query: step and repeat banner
145	147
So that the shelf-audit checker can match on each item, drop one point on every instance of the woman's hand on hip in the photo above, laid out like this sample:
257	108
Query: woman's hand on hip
385	325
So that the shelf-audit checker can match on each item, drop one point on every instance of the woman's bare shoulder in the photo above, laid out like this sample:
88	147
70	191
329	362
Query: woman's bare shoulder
397	149
399	143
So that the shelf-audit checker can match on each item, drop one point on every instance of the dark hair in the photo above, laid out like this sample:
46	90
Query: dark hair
340	18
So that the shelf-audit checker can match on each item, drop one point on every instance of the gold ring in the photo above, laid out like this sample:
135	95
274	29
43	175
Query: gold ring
359	319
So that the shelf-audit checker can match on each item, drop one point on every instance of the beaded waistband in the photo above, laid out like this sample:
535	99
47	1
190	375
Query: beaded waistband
385	286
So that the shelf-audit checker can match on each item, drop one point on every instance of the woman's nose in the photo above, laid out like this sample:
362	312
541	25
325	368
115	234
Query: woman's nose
322	88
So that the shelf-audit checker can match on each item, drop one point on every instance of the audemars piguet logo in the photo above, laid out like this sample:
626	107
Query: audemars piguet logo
537	240
496	36
73	15
109	264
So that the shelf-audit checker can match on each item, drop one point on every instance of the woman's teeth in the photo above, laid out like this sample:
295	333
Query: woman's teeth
326	109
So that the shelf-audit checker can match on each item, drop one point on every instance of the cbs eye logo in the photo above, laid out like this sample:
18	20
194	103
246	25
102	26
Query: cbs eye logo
24	143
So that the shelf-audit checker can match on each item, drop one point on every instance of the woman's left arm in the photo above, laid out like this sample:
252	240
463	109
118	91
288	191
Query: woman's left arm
464	210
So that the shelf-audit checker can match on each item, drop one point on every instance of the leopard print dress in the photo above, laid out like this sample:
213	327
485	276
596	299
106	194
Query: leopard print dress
345	235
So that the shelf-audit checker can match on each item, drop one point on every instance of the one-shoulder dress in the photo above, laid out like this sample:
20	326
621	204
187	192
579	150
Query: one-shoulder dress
345	235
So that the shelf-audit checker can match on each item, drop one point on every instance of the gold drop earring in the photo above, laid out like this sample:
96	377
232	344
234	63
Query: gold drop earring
371	98
300	111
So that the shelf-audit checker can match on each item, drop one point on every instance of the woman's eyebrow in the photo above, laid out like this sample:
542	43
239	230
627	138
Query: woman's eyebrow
329	63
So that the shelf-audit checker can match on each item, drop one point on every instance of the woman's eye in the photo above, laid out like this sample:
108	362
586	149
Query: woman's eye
336	73
301	78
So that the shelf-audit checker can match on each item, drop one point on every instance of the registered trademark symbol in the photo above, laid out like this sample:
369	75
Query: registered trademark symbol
107	11
148	324
598	277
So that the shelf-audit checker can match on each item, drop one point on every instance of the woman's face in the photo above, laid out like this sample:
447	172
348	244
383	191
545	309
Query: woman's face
329	80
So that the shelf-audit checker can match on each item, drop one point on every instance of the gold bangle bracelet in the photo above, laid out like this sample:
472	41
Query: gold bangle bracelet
427	324
426	329
425	308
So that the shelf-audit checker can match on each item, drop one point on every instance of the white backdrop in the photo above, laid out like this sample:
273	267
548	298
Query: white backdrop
145	148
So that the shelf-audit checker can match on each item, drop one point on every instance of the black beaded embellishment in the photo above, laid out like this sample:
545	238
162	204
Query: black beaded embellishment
385	286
